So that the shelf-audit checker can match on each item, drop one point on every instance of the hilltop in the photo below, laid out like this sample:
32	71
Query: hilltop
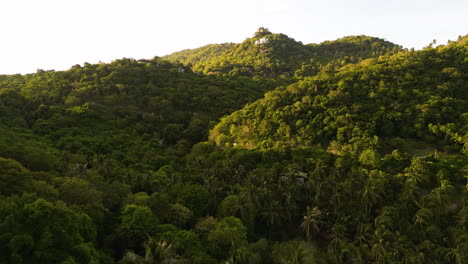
272	55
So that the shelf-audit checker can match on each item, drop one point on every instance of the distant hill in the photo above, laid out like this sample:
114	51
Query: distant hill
419	95
199	55
353	49
272	55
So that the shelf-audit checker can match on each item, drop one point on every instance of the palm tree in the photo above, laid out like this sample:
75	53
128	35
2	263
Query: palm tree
64	163
439	198
104	165
320	169
369	197
336	244
463	216
313	185
80	170
242	256
363	233
311	222
155	253
458	247
423	216
314	179
378	251
240	206
272	215
454	255
214	187
302	254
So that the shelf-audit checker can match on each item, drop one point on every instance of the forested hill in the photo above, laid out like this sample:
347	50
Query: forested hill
93	108
267	151
352	49
415	95
272	55
199	55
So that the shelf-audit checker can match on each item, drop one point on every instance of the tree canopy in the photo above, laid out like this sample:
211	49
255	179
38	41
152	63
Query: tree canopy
265	151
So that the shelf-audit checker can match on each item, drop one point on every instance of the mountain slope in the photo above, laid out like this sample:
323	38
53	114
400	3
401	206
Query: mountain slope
353	49
273	55
419	95
77	109
199	55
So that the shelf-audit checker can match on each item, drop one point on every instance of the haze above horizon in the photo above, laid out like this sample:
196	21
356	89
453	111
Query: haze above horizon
53	34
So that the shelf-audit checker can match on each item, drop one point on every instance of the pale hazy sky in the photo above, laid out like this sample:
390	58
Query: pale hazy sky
57	34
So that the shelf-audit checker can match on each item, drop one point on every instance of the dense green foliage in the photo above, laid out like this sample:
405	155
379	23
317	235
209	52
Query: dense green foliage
418	95
277	55
199	55
143	108
127	162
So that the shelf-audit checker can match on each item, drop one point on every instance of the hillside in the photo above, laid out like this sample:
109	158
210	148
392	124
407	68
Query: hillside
419	95
199	55
357	155
88	109
272	55
353	49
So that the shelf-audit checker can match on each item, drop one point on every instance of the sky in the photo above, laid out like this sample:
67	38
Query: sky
57	34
